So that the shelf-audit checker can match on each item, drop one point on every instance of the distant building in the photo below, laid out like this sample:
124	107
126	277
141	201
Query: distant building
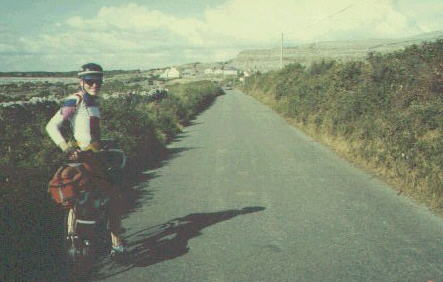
209	71
221	71
218	71
171	73
230	71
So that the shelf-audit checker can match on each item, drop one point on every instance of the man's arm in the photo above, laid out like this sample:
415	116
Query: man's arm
64	114
53	130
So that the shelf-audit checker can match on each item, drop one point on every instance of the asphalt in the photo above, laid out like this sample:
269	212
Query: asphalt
244	196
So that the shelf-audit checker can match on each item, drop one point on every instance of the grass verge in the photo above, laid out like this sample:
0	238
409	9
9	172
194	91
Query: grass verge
384	114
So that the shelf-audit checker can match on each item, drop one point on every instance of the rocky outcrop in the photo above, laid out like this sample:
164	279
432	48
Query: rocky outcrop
269	59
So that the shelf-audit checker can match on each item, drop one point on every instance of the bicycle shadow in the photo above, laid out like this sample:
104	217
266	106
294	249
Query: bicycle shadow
166	241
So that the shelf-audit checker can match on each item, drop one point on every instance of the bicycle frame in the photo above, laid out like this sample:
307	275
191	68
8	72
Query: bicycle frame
85	238
88	234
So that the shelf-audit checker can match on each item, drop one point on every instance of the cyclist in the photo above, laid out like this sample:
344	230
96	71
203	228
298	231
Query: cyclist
81	110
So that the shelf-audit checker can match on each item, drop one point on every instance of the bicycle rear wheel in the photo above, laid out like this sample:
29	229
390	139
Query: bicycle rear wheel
71	241
79	251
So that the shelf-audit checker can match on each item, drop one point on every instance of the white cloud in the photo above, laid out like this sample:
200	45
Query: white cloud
127	32
133	18
305	20
242	22
260	21
426	14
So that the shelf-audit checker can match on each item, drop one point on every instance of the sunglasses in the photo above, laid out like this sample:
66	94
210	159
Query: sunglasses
91	82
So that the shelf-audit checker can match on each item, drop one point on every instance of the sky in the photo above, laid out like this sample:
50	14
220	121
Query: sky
43	35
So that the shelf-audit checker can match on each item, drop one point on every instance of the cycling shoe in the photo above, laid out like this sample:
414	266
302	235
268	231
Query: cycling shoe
118	250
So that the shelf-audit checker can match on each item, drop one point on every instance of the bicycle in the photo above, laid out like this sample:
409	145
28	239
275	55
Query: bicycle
86	221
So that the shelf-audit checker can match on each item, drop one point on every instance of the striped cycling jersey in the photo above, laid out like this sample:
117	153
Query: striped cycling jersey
82	111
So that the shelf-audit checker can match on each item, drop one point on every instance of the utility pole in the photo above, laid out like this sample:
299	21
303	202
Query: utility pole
281	52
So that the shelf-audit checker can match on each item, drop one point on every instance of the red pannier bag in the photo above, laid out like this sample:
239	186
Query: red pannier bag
66	183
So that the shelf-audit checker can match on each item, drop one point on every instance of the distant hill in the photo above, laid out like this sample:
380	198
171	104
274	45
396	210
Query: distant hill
269	59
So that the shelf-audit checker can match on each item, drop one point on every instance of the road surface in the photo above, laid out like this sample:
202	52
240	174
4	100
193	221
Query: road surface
246	197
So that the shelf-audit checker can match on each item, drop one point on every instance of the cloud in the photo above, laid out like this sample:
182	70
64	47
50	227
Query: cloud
427	15
121	34
136	19
242	22
259	21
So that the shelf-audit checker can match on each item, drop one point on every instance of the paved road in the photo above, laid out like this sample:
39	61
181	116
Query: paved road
246	197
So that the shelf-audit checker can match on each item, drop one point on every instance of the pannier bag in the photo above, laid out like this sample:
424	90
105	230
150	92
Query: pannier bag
66	183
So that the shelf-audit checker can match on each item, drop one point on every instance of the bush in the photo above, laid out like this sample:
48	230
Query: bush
391	104
29	158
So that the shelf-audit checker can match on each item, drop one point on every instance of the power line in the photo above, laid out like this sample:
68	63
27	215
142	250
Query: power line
334	14
331	15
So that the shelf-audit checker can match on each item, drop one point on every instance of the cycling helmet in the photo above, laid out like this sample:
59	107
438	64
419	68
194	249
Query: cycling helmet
91	71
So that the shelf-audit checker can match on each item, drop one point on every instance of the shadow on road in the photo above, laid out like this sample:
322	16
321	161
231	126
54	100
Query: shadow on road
165	241
135	193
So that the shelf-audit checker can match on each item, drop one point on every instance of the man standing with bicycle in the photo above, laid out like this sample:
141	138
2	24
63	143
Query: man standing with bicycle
81	110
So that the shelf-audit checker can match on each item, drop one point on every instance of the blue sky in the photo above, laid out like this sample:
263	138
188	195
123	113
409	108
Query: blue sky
143	34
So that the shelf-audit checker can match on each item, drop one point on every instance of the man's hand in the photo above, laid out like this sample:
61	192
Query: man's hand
71	151
74	154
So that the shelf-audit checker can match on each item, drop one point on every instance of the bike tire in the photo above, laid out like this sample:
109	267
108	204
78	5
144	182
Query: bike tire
71	249
79	252
104	241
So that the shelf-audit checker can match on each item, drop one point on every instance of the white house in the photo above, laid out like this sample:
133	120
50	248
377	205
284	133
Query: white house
230	71
218	71
171	73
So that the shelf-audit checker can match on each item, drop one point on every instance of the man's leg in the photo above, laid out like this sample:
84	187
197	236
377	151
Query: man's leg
115	227
71	221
